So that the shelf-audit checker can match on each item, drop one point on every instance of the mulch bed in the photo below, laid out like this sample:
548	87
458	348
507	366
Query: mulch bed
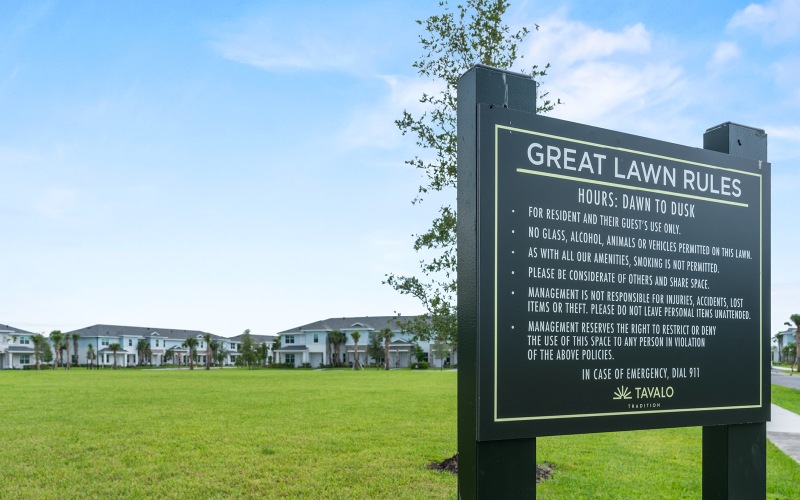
543	471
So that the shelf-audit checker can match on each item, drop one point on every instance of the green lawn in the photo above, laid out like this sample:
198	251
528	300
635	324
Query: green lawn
294	434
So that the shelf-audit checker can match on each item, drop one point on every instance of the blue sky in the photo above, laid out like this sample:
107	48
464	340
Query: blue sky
228	165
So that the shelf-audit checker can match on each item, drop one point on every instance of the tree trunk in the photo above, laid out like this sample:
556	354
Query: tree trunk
797	346
386	348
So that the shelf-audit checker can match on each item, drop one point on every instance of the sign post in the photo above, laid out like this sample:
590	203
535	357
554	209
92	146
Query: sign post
607	282
735	456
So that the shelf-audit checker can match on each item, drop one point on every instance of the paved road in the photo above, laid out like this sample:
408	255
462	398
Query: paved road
782	377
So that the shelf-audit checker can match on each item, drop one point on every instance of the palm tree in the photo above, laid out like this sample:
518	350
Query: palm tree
66	340
55	337
214	345
208	339
191	344
141	346
38	340
276	345
356	337
90	356
337	338
796	320
75	338
148	354
386	335
114	348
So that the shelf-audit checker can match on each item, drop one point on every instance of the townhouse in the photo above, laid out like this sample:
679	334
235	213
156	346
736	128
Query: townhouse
16	347
308	345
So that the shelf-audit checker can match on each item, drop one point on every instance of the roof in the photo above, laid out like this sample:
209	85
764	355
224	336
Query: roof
15	349
293	348
260	339
13	330
361	323
139	331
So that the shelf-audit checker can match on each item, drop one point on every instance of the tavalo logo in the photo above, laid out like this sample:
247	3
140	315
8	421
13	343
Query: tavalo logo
623	392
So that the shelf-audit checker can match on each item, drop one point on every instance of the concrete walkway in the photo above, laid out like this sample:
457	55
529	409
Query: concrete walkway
784	431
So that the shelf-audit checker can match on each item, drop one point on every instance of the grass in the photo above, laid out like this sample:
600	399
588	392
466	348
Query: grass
786	397
296	434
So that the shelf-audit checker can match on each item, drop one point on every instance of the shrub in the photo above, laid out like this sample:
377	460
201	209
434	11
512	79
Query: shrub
420	365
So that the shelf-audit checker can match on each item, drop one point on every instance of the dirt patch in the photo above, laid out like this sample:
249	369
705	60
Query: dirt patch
448	465
544	471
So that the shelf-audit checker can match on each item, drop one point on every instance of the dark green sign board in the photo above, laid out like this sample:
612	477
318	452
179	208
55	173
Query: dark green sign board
623	282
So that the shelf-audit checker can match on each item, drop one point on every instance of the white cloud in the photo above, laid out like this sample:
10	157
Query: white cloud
608	79
775	21
724	53
374	126
565	43
312	53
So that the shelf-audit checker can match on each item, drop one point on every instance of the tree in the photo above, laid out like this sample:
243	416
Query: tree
374	348
191	344
795	318
221	354
56	338
778	338
39	344
75	338
440	351
337	338
114	348
356	335
169	354
90	356
276	345
47	352
141	348
248	350
789	351
386	335
454	41
263	353
207	337
66	342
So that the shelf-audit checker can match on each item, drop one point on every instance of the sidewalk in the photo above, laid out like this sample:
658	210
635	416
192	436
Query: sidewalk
784	431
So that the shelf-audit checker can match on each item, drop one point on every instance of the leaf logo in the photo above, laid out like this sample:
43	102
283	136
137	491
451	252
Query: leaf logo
622	393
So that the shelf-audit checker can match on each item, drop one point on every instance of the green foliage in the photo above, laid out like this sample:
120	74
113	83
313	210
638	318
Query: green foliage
336	339
249	356
453	41
419	354
419	365
375	348
191	343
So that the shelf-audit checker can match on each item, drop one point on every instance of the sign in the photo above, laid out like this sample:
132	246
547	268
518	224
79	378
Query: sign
621	281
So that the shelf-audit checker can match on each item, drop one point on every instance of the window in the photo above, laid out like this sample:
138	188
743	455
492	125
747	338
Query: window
104	342
156	342
290	359
130	342
24	359
316	338
24	340
290	339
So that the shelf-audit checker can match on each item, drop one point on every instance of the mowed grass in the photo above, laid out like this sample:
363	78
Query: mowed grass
296	434
226	433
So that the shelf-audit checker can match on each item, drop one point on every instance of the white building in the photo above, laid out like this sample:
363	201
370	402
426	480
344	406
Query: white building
145	345
308	345
16	347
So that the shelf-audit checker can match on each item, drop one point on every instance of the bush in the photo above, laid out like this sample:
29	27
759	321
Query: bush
420	365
